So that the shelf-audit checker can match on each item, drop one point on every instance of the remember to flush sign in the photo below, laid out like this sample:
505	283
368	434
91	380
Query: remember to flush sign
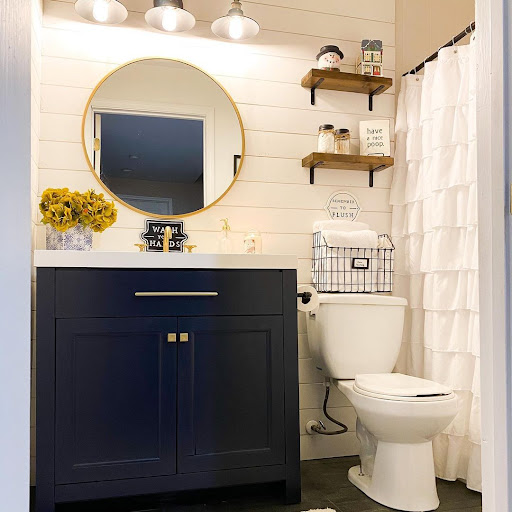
342	206
374	138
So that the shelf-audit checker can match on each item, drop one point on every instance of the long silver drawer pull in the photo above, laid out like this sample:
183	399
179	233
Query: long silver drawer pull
176	294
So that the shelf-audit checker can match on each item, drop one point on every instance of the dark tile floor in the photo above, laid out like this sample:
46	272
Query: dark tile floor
324	485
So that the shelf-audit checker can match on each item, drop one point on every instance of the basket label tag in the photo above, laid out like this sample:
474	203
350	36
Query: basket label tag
342	206
361	263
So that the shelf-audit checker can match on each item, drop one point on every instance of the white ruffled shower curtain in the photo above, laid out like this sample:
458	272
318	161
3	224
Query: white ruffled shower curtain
435	232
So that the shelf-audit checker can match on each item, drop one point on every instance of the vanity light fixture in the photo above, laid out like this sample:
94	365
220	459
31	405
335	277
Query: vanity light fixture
170	16
235	25
108	12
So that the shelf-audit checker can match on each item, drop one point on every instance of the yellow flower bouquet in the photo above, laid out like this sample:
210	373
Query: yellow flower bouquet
71	217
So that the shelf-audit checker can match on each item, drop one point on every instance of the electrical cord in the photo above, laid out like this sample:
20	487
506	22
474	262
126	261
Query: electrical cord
320	428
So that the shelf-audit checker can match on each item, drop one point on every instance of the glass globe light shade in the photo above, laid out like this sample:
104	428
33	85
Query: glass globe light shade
108	12
235	25
169	16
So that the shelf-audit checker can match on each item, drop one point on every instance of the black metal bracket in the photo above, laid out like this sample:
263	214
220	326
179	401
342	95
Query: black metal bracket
370	97
371	174
313	89
305	296
312	173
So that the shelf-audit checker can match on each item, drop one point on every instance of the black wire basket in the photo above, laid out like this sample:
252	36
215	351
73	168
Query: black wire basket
351	269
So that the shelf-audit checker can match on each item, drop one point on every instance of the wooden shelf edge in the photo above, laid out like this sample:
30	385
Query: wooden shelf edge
328	160
369	164
346	82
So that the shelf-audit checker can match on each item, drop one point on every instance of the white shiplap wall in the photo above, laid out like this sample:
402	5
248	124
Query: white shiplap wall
263	76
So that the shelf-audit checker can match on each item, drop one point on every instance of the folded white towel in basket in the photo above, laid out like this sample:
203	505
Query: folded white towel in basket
339	225
364	239
385	242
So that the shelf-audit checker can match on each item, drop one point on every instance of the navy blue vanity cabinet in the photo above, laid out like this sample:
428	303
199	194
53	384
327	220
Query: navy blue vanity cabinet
140	391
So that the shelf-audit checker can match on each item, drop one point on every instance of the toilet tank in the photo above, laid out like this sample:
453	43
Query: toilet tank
353	334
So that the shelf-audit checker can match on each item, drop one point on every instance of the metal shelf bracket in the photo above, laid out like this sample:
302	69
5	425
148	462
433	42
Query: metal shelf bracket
312	173
371	174
313	89
372	94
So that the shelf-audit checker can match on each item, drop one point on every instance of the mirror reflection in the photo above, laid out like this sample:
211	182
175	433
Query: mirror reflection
163	137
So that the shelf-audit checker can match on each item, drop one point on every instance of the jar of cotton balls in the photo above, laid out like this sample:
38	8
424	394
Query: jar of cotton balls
342	141
326	138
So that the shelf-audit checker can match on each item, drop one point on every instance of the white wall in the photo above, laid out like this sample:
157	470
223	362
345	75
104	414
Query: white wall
263	76
15	257
422	26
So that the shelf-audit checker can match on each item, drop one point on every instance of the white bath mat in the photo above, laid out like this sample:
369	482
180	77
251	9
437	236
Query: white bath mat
321	510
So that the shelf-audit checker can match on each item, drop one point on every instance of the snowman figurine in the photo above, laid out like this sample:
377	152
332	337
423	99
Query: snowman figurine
330	58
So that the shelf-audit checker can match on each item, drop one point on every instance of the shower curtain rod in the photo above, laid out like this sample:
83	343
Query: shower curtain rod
468	30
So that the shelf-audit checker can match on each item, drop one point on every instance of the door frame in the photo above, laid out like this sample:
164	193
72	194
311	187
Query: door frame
493	89
178	111
15	260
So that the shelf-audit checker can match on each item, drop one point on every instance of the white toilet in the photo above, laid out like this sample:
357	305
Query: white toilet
355	340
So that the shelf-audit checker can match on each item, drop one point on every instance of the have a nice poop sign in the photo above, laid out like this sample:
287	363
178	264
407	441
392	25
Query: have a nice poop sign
374	138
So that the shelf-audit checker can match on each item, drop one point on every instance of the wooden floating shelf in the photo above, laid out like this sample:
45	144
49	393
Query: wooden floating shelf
347	82
369	164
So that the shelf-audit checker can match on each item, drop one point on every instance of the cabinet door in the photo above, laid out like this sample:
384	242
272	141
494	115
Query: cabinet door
115	399
230	393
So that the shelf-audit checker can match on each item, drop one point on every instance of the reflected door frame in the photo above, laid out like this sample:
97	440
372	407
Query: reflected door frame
144	108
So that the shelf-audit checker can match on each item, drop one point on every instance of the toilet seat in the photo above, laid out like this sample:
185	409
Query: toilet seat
402	388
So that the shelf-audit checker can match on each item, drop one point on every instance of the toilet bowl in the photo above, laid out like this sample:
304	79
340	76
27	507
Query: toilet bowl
355	340
402	473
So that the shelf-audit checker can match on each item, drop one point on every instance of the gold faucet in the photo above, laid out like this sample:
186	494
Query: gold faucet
167	238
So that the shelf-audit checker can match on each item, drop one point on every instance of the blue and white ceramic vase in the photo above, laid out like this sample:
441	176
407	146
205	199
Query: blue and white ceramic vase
74	239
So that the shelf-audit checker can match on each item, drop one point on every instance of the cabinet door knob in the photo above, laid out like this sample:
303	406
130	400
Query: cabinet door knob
171	337
184	337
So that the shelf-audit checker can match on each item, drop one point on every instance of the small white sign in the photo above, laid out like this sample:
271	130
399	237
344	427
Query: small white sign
374	138
342	206
361	263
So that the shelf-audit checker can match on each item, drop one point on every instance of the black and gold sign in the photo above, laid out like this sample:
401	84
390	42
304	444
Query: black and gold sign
154	232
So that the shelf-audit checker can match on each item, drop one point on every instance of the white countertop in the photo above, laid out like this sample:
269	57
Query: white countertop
103	259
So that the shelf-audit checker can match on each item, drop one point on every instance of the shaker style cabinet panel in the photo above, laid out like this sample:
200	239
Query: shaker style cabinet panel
230	393
115	412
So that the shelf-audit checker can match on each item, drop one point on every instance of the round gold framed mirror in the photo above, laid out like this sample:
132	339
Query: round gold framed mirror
163	137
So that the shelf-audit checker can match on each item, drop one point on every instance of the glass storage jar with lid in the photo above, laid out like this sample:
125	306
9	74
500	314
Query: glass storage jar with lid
326	138
342	141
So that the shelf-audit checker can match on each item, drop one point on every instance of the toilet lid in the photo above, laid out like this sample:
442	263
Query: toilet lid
399	385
